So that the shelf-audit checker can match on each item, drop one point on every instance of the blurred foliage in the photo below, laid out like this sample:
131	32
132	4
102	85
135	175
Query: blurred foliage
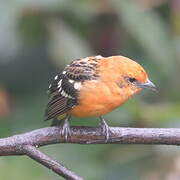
37	39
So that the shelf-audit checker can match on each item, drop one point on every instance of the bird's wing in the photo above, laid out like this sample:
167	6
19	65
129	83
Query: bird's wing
64	90
62	97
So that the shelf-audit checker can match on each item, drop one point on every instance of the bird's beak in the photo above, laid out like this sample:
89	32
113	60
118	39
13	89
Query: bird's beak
148	84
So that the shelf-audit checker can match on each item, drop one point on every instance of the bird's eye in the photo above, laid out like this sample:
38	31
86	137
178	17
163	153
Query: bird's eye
132	80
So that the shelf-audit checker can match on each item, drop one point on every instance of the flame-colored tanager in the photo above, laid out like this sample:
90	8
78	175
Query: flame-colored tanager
94	86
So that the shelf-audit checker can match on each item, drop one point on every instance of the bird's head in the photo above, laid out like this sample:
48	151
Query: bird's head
132	76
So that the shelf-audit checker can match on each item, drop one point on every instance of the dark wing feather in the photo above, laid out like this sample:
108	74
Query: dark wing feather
63	95
58	106
58	103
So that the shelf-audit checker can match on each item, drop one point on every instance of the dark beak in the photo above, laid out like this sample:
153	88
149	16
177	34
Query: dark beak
148	84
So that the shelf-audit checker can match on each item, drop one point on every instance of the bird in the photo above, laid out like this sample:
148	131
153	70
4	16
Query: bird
92	87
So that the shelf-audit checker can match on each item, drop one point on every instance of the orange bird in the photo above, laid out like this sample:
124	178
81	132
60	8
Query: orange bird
94	86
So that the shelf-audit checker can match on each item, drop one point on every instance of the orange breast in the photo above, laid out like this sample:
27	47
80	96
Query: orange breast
98	98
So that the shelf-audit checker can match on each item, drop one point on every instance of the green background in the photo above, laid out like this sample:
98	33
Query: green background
38	38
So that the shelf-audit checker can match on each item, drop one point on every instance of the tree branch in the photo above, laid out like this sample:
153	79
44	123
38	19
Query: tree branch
42	158
27	143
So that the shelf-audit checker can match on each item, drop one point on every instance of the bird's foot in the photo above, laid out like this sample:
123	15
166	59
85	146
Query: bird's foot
66	131
105	128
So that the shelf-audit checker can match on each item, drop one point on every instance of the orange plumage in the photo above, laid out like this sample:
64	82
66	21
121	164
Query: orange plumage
98	97
94	86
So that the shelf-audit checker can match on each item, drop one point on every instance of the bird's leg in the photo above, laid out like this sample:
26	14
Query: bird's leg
66	128
104	128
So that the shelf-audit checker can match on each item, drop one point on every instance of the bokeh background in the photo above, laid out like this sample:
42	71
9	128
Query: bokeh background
39	37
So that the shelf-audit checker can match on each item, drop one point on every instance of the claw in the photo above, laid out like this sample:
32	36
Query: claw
104	128
66	131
